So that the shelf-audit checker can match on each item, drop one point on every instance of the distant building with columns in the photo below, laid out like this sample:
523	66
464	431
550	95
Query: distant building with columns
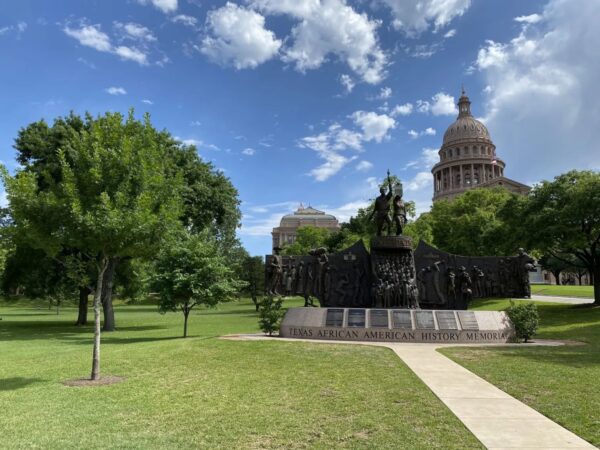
468	159
287	230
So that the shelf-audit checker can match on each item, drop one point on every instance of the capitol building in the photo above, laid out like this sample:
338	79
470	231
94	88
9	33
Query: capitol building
287	230
468	159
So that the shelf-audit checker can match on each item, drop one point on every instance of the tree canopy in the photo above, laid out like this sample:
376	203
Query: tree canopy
112	197
562	219
190	271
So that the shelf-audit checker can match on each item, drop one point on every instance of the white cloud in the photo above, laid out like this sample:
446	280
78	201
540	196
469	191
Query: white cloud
420	181
135	31
426	132
543	106
414	17
374	126
493	55
347	82
402	110
364	166
90	36
384	93
429	157
532	18
18	29
147	102
248	151
347	210
330	144
330	28
132	54
165	6
441	104
115	90
184	19
195	123
238	36
450	33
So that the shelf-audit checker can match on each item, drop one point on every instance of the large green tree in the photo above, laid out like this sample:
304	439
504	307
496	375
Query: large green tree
112	197
307	238
190	271
476	223
209	199
562	219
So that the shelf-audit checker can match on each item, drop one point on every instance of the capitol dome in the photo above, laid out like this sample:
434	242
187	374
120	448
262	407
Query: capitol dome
466	127
468	158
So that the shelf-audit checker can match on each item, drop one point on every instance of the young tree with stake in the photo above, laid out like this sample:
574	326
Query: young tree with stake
114	197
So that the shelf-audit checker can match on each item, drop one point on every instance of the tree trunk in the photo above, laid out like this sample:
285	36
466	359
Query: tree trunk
186	313
107	287
97	303
596	272
556	274
84	292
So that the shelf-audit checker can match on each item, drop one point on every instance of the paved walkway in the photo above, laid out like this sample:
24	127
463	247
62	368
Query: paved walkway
498	420
556	299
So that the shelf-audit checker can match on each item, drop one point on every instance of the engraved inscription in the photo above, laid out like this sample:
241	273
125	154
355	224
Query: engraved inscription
334	318
379	318
401	319
356	318
468	321
424	320
446	320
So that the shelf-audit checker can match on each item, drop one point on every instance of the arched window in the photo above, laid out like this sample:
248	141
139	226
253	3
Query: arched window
450	153
475	152
466	150
458	152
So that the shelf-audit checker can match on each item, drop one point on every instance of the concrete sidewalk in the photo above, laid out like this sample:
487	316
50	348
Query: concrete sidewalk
498	420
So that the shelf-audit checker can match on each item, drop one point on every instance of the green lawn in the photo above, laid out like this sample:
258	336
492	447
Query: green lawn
203	392
564	291
560	382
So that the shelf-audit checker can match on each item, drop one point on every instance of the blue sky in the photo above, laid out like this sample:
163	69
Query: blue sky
312	100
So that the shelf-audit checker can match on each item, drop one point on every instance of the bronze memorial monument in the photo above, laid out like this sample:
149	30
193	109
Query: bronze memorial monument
393	293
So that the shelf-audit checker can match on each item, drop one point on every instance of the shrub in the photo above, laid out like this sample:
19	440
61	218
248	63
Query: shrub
525	318
270	315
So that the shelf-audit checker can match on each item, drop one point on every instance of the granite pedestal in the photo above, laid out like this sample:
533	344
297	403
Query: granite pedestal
397	325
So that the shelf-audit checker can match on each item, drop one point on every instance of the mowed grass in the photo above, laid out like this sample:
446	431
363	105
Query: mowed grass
204	392
560	382
563	291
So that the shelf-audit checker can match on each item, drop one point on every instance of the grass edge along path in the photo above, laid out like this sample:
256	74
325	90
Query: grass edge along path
559	382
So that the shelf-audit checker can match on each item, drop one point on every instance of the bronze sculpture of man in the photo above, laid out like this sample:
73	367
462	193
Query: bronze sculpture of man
381	210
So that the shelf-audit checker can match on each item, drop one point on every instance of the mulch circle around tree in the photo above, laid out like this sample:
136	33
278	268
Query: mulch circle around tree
86	382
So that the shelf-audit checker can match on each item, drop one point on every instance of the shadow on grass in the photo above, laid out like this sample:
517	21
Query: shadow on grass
10	384
65	331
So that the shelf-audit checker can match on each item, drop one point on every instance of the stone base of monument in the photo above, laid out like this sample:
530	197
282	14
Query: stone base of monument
398	325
